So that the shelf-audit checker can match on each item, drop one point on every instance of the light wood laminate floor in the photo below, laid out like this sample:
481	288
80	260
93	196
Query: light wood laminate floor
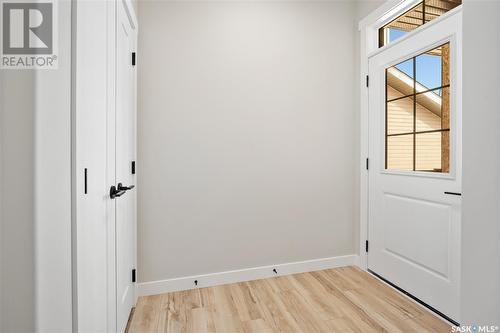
336	300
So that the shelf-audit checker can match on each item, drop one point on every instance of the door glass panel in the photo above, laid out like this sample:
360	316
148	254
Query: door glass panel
433	110
418	113
400	116
430	72
400	152
429	152
402	74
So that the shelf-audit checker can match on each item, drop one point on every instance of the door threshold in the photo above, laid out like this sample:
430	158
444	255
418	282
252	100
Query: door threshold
416	299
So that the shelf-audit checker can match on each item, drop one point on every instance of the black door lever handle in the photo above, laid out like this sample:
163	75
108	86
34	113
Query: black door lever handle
118	191
124	188
114	193
453	193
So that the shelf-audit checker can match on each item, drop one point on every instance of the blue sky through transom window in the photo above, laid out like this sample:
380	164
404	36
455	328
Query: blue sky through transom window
395	34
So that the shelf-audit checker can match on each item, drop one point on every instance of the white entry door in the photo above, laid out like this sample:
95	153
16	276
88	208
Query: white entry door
125	155
415	164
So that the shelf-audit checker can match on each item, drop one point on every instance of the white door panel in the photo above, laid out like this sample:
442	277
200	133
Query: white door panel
427	220
94	211
414	226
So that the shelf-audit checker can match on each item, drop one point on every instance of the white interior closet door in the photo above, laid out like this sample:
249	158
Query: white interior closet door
415	170
105	146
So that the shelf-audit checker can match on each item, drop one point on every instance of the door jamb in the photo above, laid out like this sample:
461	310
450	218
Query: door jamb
132	17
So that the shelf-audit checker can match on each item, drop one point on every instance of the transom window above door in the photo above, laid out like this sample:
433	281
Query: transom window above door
423	12
417	113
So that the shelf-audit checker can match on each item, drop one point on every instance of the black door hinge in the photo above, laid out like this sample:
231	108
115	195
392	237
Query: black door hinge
133	275
133	58
133	167
367	81
366	246
367	163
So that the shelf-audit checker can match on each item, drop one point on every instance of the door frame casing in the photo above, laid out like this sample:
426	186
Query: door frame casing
368	28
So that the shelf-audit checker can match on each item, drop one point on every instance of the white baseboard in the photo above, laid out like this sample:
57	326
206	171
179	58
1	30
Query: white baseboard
256	273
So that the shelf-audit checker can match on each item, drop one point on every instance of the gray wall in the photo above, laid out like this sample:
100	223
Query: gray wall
246	135
365	7
481	164
17	210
